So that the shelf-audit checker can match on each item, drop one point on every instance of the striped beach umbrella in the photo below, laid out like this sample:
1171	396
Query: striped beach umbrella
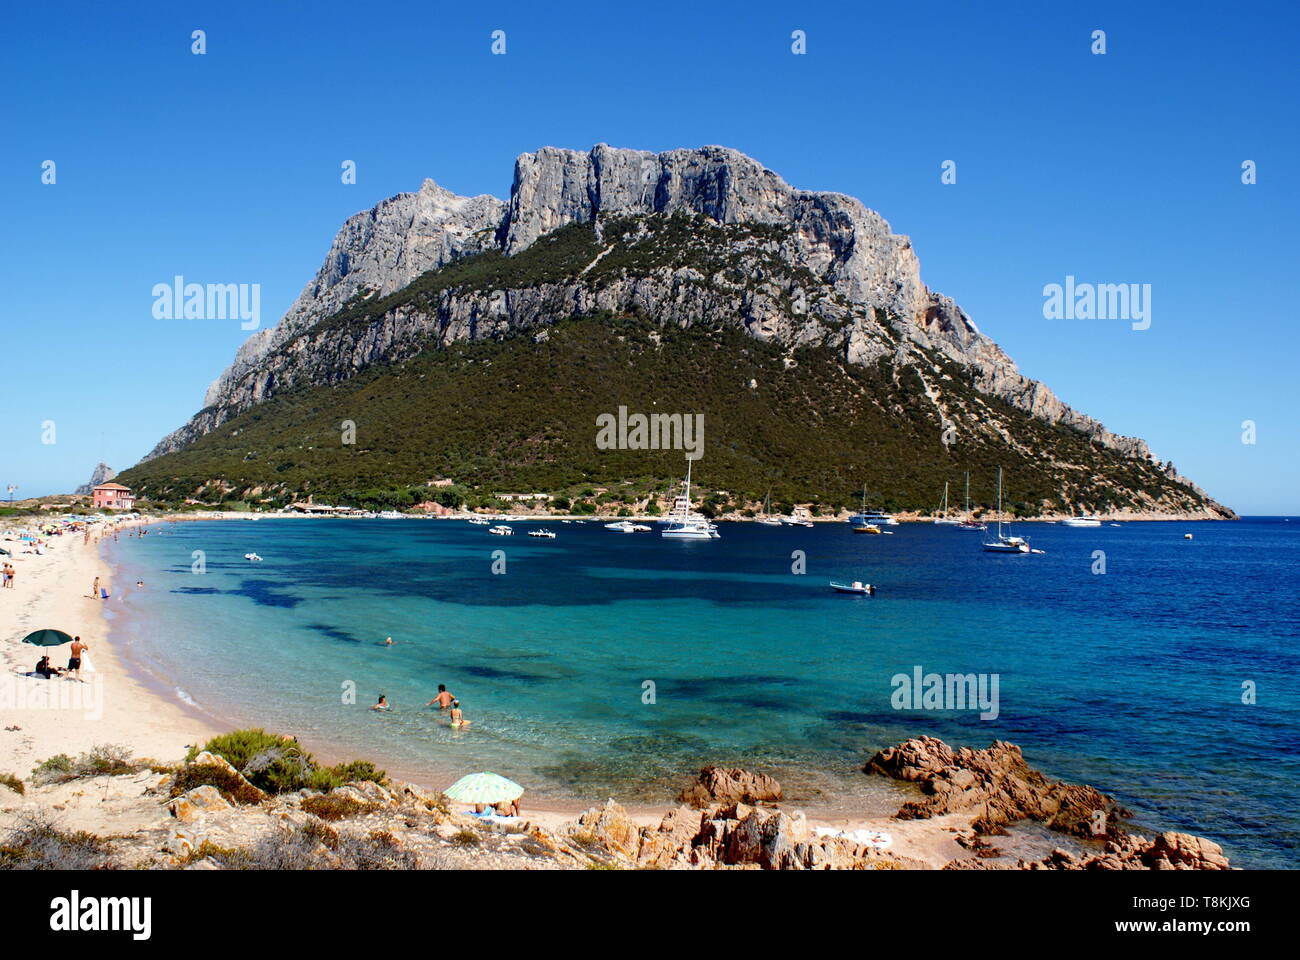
483	788
47	638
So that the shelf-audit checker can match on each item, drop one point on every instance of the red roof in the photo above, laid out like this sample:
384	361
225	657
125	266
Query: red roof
111	486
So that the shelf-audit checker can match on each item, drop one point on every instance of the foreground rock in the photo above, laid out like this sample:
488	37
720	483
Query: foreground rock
731	785
997	784
722	836
1169	851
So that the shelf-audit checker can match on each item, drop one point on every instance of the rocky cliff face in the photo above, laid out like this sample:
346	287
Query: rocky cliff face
102	474
793	266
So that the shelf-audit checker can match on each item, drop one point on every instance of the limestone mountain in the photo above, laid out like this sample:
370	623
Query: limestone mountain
684	246
101	474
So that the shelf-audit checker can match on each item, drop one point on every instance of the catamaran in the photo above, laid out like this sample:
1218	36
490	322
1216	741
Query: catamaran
1005	543
683	524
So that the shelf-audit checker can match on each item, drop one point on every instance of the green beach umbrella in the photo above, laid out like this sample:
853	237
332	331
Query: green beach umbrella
483	788
47	638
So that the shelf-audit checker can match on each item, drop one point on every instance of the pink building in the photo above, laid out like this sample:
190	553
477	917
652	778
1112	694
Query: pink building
114	496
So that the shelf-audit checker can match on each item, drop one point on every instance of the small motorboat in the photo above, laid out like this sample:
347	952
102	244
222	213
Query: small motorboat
865	528
479	521
501	530
253	557
857	586
542	533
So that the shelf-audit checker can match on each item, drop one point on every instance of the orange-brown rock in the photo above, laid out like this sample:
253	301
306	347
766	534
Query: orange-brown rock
996	783
731	785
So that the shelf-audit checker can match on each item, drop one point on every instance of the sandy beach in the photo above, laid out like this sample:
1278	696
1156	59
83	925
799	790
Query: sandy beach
41	718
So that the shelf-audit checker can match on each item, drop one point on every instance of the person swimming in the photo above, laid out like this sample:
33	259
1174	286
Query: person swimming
458	718
388	642
382	704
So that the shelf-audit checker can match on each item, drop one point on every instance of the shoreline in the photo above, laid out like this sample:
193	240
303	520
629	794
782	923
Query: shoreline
141	711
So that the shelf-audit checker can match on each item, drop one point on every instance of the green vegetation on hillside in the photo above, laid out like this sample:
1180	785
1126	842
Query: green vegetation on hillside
519	415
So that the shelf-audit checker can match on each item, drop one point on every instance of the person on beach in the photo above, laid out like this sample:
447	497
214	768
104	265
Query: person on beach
94	589
443	699
8	576
74	661
507	808
44	668
457	718
382	704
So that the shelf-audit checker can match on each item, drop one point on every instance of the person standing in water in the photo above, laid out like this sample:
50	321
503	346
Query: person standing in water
458	718
443	699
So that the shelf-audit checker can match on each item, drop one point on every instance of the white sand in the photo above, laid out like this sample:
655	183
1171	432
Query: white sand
63	716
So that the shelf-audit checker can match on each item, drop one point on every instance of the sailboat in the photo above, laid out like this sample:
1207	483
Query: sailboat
767	519
1005	543
685	525
860	521
943	519
968	522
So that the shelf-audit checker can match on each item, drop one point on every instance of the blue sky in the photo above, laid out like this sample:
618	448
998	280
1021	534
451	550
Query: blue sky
1121	168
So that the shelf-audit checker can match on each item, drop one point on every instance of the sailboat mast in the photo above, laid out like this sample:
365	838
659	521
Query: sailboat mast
999	503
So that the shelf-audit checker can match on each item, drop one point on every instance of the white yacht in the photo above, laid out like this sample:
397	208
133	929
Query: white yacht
479	521
683	524
943	519
542	533
390	515
501	530
626	526
1087	520
767	519
969	522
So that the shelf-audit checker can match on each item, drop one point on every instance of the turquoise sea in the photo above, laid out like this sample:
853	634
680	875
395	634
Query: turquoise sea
1131	679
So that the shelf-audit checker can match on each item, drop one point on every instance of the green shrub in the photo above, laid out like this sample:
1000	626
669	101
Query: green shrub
330	807
239	746
327	778
57	769
233	787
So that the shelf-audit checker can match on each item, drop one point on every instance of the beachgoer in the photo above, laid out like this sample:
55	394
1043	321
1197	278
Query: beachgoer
94	589
508	808
458	718
45	669
74	661
443	699
388	642
382	704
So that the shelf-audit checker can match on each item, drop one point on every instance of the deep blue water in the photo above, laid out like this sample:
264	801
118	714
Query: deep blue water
1130	680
